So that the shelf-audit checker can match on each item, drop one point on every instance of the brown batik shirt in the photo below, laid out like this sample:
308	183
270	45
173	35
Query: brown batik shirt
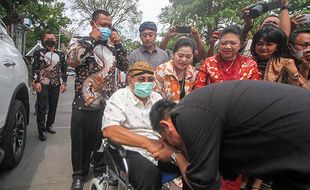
99	69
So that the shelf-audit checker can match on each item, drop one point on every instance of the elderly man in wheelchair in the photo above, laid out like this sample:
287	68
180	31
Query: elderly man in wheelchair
126	122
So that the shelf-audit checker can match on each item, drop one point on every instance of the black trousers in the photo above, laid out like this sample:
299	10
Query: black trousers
86	137
48	96
143	174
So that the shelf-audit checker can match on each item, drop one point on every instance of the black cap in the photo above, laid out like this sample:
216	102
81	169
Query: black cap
148	25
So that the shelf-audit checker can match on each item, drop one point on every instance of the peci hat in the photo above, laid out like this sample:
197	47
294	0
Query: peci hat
140	68
148	25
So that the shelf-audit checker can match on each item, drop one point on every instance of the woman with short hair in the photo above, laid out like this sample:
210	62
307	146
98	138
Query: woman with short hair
227	64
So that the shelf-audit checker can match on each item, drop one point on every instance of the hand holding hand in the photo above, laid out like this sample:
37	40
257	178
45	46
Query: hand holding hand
154	146
164	154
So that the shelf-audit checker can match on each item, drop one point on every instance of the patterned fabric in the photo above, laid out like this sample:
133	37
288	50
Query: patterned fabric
274	70
167	84
126	110
214	70
48	67
277	71
98	67
231	185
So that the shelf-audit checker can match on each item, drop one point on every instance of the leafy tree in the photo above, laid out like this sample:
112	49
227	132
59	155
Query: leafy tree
130	44
46	15
123	12
209	15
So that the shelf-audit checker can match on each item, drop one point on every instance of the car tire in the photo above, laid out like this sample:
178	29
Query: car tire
15	137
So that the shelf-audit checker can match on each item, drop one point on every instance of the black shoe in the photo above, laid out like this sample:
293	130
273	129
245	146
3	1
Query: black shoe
42	136
50	130
77	184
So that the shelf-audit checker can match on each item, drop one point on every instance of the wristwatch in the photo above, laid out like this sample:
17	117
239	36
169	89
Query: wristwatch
295	76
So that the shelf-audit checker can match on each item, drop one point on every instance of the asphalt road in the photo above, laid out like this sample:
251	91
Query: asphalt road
45	165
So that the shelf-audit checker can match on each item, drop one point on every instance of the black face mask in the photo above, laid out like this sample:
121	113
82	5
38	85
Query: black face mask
50	43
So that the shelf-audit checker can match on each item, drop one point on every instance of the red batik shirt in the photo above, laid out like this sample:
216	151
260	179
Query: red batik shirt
214	69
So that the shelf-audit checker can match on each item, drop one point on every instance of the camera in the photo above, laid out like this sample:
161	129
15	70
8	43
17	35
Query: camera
183	29
263	7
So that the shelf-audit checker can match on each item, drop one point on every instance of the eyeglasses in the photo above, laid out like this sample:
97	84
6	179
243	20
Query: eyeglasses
144	79
303	45
232	43
150	34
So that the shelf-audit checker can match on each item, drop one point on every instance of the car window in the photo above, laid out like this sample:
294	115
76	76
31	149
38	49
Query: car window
4	36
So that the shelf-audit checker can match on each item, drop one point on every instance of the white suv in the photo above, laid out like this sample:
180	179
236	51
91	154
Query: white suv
14	101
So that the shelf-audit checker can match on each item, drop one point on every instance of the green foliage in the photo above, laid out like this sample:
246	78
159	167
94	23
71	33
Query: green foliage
130	44
2	12
210	14
46	15
122	11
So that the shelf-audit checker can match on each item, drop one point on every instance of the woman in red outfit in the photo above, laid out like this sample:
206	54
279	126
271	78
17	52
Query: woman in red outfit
227	64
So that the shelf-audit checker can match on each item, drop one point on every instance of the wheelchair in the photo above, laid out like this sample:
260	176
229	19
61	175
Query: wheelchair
115	176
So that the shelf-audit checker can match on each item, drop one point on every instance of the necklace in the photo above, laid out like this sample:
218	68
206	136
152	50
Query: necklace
231	64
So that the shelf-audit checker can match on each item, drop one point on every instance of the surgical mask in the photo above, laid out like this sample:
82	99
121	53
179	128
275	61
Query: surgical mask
50	43
143	89
106	33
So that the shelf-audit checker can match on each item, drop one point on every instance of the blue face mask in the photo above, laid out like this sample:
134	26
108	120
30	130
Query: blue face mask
106	33
143	89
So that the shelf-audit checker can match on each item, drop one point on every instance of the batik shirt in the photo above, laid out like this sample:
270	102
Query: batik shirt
98	67
48	67
167	83
214	70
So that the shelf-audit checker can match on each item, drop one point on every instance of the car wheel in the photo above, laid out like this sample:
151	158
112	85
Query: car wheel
15	137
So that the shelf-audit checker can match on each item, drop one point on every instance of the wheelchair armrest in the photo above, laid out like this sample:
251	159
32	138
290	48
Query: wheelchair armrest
119	148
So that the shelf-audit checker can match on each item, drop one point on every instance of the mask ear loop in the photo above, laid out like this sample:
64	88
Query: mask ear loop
95	24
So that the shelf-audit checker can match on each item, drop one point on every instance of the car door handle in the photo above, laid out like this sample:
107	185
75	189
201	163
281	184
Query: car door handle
9	63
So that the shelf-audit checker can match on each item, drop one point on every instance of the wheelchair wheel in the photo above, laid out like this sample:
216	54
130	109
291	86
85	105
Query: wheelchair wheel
94	184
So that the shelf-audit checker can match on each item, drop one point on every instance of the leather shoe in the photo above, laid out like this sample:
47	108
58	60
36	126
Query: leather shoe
50	130
77	184
42	136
